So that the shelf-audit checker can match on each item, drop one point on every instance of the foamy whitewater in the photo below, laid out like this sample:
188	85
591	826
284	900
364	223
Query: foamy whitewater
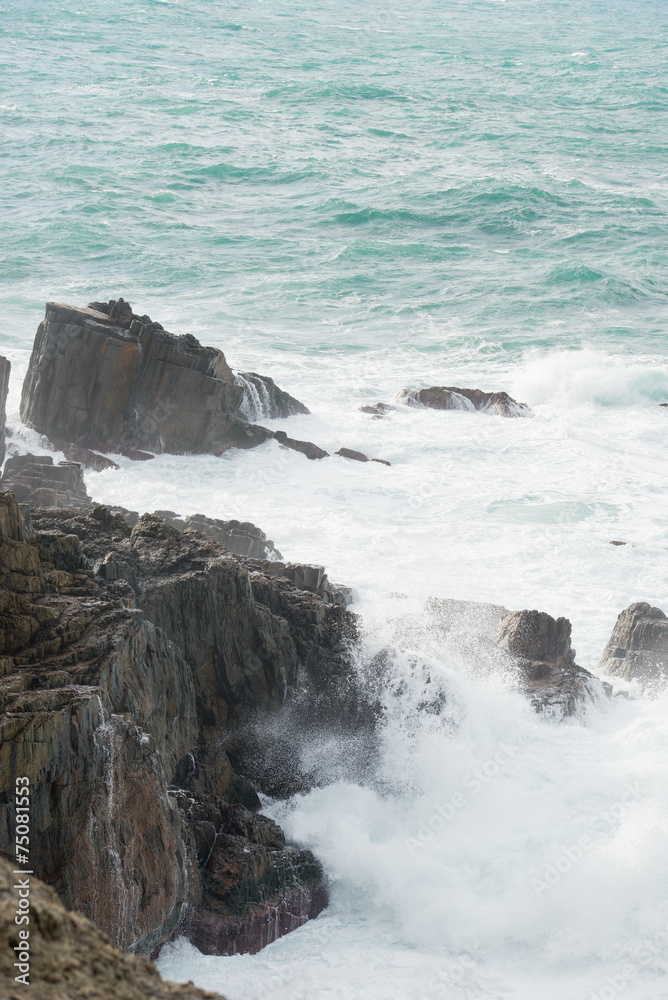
355	198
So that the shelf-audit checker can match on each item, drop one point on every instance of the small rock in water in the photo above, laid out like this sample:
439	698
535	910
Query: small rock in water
453	398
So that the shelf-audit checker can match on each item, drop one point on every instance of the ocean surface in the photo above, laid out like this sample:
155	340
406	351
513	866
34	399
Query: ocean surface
355	198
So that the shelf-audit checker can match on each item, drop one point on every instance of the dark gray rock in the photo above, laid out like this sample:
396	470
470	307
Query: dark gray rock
264	400
104	379
5	369
35	479
535	646
378	410
638	646
453	398
240	537
541	648
126	657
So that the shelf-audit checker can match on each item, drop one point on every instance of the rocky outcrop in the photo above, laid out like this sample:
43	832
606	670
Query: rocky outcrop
105	379
5	369
358	456
70	958
240	537
453	398
378	410
535	646
263	399
306	576
638	646
540	646
128	655
35	479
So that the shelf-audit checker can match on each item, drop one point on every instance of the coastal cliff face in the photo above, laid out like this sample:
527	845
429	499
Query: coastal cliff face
104	378
125	653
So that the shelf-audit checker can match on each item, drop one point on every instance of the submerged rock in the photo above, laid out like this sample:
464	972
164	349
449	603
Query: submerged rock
70	958
5	369
453	398
638	646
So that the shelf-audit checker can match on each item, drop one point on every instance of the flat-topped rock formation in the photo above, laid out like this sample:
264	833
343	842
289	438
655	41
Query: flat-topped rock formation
453	398
106	379
70	958
103	379
240	537
126	656
638	646
5	369
36	479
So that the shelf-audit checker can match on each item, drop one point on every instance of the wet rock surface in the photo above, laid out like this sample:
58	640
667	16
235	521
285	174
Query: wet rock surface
70	958
128	656
533	645
103	378
638	646
453	398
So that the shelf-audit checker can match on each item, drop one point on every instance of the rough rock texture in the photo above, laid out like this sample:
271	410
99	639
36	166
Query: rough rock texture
358	456
638	646
453	398
534	645
128	655
240	537
5	369
35	479
263	399
70	958
541	647
103	378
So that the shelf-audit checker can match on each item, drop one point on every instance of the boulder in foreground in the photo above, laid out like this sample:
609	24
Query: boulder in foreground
638	646
70	959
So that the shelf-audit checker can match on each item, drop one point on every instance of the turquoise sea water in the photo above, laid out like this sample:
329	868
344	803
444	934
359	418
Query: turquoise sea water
342	175
354	198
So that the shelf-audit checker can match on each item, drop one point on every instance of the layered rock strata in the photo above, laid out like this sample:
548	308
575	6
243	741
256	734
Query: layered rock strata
240	537
533	645
70	958
638	646
36	479
127	656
